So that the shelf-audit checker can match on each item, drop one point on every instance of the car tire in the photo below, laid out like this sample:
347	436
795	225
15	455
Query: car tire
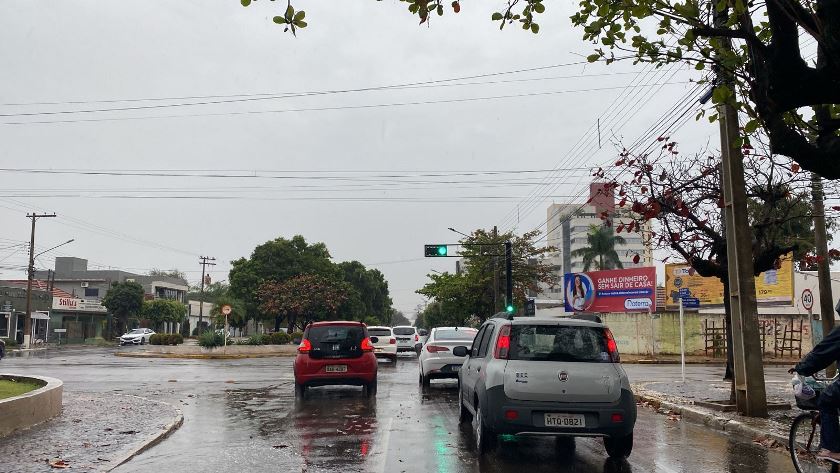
619	447
394	358
485	438
464	415
370	389
142	341
300	391
425	381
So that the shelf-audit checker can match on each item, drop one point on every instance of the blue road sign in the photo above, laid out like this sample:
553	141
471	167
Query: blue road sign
691	302
684	291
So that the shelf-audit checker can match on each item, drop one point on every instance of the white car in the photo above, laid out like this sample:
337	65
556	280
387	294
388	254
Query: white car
384	342
407	338
436	359
138	336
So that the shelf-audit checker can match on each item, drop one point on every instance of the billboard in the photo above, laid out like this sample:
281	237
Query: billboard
774	287
619	290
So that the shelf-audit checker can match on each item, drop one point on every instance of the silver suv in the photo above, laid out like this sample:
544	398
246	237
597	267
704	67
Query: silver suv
558	377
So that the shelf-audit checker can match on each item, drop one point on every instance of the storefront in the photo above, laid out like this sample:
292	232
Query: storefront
86	320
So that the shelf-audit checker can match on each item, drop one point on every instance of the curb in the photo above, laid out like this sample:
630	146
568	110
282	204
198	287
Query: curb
204	357
151	441
702	362
710	419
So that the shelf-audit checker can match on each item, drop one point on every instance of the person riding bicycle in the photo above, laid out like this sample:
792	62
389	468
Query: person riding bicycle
825	353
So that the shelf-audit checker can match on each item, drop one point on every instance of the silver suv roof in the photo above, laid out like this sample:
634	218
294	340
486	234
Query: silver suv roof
569	321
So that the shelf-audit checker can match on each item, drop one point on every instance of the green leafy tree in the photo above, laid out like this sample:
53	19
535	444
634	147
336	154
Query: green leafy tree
159	311
124	300
370	297
601	250
238	317
275	261
303	298
172	273
212	292
397	318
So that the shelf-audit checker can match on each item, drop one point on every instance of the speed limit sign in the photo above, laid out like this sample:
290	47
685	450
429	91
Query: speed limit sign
807	299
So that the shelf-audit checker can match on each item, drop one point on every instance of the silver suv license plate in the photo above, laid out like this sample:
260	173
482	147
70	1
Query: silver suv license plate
565	420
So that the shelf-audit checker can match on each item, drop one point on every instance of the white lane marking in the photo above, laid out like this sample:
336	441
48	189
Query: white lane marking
379	455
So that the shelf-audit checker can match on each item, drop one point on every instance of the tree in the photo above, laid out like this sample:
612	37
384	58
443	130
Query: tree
601	249
371	291
684	197
397	318
479	289
172	273
160	311
302	299
124	300
277	260
212	292
238	317
792	98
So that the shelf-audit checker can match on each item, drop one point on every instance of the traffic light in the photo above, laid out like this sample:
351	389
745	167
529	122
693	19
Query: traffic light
509	308
437	251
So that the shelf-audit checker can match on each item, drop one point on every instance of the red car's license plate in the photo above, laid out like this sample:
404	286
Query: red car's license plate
336	368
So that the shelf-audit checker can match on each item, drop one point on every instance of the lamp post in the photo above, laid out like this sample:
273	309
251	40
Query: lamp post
27	330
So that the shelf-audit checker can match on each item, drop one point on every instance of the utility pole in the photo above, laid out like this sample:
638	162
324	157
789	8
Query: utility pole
750	393
509	273
27	324
205	261
823	272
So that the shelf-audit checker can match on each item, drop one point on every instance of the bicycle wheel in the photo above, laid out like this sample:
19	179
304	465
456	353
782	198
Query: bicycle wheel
804	443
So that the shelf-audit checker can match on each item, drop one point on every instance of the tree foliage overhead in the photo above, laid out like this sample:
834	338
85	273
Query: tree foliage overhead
238	317
212	292
479	290
370	298
601	241
164	310
171	273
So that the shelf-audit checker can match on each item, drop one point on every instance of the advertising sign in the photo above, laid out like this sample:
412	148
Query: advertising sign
771	287
620	290
72	304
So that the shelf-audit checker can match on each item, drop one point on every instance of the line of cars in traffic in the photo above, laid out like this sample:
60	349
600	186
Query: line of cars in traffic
525	376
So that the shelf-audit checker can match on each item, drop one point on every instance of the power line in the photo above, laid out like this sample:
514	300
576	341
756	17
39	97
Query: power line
328	108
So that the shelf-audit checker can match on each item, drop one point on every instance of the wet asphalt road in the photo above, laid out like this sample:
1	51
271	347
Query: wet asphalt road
241	415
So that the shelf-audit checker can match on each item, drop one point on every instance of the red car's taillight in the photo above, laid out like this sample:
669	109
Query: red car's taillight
393	341
305	346
435	348
503	344
612	347
367	345
416	338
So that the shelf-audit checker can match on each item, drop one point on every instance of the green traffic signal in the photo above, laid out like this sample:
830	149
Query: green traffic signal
442	250
436	251
509	308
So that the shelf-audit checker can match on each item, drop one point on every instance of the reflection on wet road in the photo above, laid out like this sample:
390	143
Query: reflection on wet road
241	415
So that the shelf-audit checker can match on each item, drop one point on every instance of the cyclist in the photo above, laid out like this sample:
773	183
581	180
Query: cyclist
825	353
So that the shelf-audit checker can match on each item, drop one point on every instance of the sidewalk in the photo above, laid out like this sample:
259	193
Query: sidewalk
695	360
685	399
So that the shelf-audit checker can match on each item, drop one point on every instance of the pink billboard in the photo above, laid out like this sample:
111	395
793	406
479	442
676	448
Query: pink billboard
619	290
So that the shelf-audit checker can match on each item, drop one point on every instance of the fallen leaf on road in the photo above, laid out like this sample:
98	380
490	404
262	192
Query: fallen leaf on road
108	429
280	446
59	464
129	432
173	380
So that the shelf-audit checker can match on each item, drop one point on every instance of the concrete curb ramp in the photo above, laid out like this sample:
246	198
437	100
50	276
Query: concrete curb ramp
32	408
199	353
709	418
150	441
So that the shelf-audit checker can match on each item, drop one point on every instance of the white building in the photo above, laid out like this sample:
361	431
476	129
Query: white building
568	225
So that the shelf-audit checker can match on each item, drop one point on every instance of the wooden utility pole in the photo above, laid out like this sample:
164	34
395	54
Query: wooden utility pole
27	324
205	261
823	271
750	393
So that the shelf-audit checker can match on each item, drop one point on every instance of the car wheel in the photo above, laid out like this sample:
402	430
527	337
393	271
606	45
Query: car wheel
142	341
394	358
485	439
370	389
619	447
464	415
300	391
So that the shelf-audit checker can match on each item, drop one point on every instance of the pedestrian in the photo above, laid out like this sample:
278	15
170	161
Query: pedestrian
825	353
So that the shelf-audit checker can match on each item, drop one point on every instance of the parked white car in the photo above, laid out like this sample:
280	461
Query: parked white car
138	336
384	342
436	359
407	338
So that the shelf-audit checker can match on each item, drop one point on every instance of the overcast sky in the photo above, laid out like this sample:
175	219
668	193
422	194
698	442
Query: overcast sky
343	148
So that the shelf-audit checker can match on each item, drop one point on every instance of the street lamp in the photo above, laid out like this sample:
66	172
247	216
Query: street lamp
56	246
459	233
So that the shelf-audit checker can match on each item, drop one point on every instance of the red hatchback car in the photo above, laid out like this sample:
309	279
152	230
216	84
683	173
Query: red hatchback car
335	353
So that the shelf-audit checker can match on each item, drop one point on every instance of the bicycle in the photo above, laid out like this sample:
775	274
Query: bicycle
804	438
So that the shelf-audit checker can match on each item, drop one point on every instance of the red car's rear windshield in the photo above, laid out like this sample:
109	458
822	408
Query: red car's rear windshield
336	341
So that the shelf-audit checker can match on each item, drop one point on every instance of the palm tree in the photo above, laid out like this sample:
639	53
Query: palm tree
601	249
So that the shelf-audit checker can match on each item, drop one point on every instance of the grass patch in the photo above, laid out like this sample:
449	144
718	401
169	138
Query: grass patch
11	388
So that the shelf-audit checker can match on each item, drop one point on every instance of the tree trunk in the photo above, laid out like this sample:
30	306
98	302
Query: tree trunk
277	319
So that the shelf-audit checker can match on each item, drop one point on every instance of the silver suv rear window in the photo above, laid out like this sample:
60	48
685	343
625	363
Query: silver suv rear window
403	331
558	343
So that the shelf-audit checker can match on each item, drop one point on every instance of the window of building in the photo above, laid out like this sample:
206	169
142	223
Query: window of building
5	321
91	292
